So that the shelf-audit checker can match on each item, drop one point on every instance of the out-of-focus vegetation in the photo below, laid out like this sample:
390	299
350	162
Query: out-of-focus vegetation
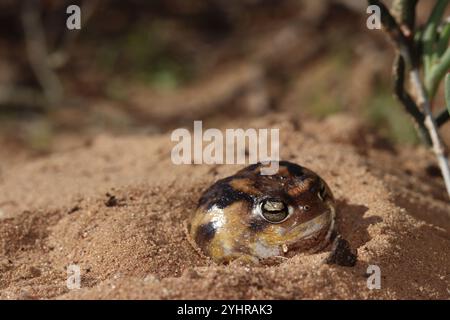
153	65
390	120
147	56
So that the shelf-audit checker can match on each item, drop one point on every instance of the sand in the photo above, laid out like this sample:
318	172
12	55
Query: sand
117	208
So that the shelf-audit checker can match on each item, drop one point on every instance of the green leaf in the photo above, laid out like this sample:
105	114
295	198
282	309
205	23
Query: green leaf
429	35
437	73
443	39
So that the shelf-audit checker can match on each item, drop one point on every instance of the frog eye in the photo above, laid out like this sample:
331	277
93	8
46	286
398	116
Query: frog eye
274	211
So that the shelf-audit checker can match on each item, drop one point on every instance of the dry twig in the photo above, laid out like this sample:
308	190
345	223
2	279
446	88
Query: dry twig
37	52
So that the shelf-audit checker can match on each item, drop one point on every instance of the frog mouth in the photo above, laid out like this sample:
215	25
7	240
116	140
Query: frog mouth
311	228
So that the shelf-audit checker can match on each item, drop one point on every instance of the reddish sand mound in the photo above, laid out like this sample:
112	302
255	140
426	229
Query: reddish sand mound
55	211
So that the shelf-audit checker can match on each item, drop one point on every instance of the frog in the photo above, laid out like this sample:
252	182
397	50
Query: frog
251	216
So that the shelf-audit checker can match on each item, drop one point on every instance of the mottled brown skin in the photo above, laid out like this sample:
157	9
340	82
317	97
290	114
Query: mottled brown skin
229	222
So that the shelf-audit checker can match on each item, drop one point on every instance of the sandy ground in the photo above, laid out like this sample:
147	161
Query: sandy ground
54	211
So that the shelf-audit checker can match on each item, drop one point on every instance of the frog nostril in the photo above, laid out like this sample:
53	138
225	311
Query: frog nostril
305	207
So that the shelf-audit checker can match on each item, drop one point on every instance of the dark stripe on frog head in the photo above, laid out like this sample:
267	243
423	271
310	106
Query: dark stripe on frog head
205	233
222	195
293	168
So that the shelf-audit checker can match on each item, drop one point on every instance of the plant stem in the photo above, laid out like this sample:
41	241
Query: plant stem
438	146
403	44
404	11
406	100
447	92
443	116
409	54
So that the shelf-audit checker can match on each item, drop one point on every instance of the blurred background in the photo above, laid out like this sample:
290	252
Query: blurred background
146	67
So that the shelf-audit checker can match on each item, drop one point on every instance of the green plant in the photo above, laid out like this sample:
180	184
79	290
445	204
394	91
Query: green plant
424	54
